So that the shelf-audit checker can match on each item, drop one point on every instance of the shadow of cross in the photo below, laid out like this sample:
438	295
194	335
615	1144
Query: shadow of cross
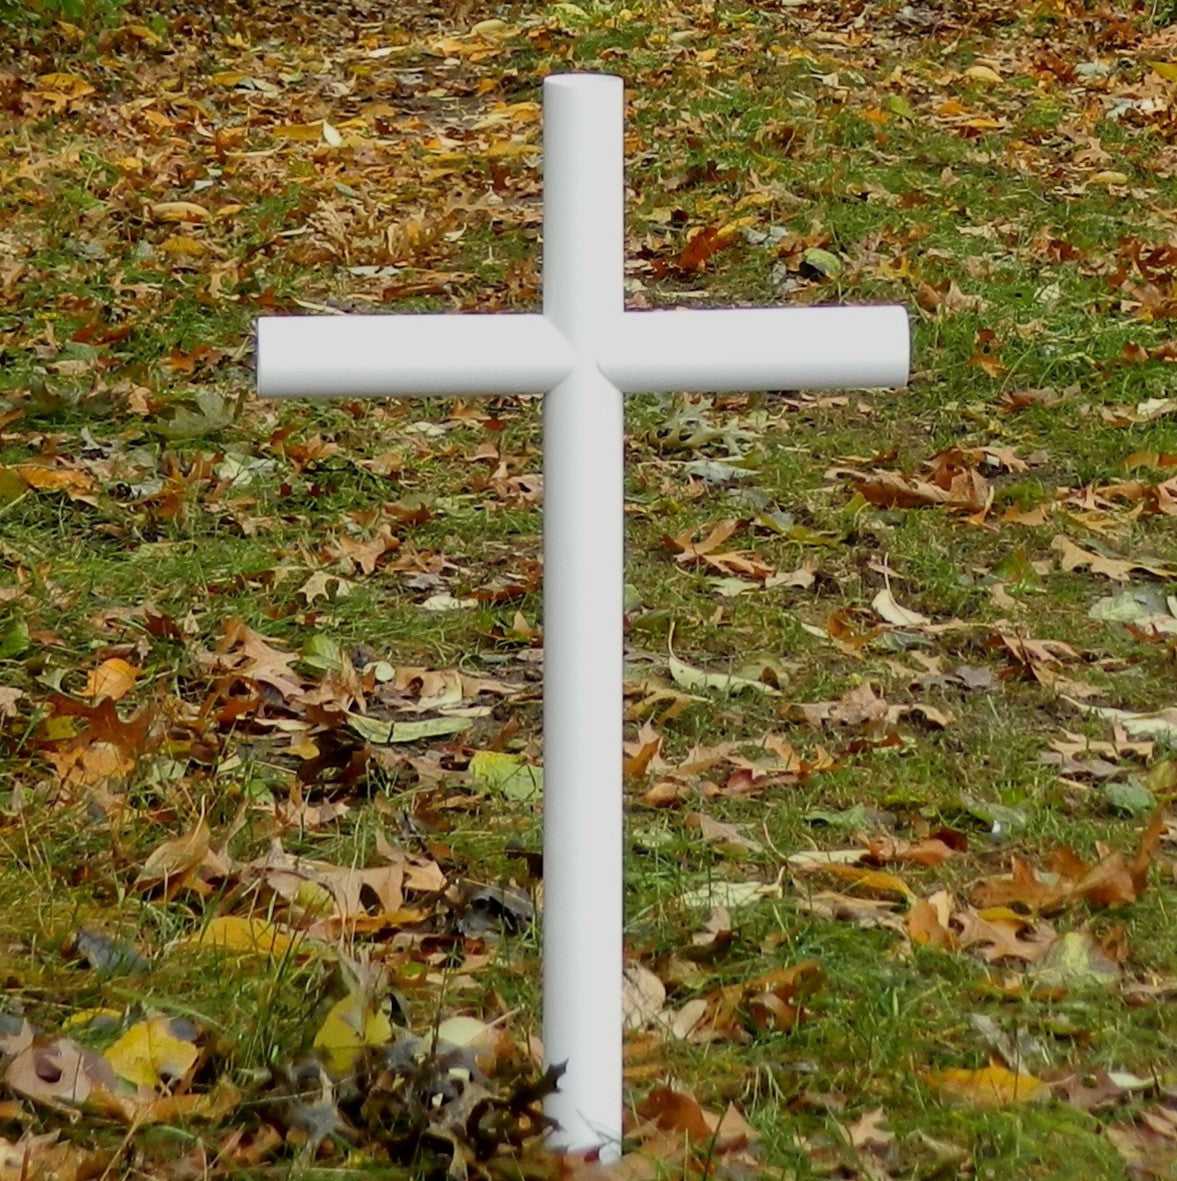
583	352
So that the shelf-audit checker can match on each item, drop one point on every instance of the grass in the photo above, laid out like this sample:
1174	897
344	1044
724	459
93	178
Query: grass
883	151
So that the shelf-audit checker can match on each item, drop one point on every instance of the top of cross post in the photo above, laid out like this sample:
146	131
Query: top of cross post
583	78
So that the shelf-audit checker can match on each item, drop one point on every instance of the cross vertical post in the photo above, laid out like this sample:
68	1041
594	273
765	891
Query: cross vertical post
583	352
584	435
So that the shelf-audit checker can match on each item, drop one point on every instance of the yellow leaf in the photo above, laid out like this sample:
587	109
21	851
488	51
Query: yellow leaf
228	77
245	936
352	1025
464	1031
307	133
72	84
982	74
142	33
331	135
178	211
113	678
151	1049
315	898
872	882
487	1041
1167	70
84	1017
508	148
491	29
993	1086
1108	177
182	246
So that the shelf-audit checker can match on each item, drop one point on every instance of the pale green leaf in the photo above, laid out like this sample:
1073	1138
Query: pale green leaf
382	733
694	679
506	774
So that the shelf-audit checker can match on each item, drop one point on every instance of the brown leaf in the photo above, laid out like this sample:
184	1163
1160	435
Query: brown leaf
863	912
59	1073
687	550
639	755
726	837
702	245
1001	933
714	939
43	478
1111	881
856	707
643	997
44	1158
1074	557
930	852
892	490
245	655
174	864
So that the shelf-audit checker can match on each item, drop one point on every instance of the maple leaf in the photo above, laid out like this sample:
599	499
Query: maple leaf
950	480
1111	881
1002	934
245	655
1074	557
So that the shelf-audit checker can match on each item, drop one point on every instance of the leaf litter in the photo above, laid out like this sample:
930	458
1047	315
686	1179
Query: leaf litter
304	769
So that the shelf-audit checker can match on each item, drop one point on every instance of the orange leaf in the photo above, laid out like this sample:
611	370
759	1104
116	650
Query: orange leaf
927	923
704	243
55	479
872	882
113	678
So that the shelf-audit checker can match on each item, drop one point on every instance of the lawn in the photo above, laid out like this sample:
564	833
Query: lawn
900	665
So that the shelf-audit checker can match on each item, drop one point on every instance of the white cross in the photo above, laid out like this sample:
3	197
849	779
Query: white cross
584	351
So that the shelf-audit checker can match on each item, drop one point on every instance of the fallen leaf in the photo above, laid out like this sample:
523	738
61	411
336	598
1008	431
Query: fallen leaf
113	678
928	919
643	997
508	775
1075	960
871	882
694	679
991	1086
1111	881
178	211
729	895
727	838
174	863
1074	557
248	936
155	1052
885	605
353	1024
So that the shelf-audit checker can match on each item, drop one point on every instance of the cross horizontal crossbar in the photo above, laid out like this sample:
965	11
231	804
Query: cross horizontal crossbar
639	352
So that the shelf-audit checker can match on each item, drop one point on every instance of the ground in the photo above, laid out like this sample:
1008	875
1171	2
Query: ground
900	665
